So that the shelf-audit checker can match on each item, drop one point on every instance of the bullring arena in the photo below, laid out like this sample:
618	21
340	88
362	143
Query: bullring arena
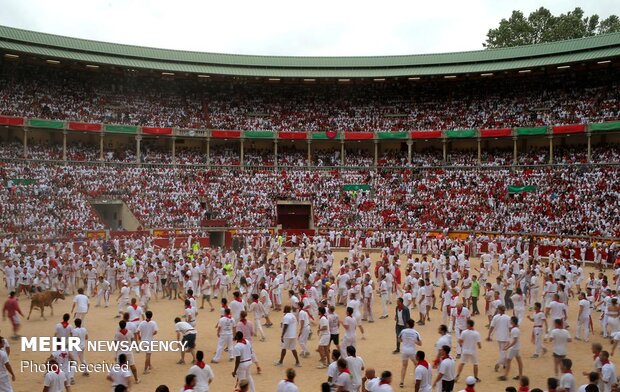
310	182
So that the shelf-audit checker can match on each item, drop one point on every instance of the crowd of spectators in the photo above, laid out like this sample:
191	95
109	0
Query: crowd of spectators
137	99
568	200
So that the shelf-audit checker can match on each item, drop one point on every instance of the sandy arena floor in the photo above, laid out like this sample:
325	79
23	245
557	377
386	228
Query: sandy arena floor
376	351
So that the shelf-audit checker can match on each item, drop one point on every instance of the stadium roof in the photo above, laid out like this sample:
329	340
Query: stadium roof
48	46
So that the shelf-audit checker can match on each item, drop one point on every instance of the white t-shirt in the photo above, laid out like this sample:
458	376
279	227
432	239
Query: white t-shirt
567	381
119	375
290	320
81	334
501	325
514	334
55	382
556	310
409	338
286	386
324	323
355	365
203	375
184	327
446	367
303	316
350	325
345	380
471	338
425	376
81	303
147	329
608	376
560	338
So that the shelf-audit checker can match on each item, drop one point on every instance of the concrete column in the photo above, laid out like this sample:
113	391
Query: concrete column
275	153
174	150
241	155
479	153
445	151
550	150
25	143
589	135
342	157
138	151
376	153
309	152
101	146
409	149
514	150
64	146
208	152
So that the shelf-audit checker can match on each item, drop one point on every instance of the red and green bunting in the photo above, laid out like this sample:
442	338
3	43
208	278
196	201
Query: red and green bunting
426	134
11	121
226	134
359	135
293	135
564	129
496	132
605	126
78	126
531	131
156	131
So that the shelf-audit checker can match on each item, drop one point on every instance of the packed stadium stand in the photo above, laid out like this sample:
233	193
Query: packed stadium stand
521	140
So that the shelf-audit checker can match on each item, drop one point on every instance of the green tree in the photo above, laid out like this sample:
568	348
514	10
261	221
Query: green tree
542	26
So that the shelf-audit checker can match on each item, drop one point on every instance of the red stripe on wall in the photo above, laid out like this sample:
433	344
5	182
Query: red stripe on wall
575	128
78	126
425	134
496	132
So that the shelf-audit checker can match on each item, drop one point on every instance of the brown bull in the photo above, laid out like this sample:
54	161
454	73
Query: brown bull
43	299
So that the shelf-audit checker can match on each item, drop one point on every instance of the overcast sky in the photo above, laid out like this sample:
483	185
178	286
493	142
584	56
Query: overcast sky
283	27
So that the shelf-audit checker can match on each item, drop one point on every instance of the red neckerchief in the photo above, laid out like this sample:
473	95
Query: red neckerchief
604	362
423	363
224	306
458	311
524	389
56	368
255	301
64	324
188	307
228	316
400	306
238	299
200	364
383	382
595	356
188	388
123	331
134	306
242	340
469	388
570	371
346	370
244	321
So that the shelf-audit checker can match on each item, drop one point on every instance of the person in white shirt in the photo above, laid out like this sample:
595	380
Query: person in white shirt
304	330
446	371
459	316
225	327
120	375
344	380
385	382
560	337
147	329
5	369
188	335
583	319
56	380
190	383
63	329
80	305
409	339
288	384
355	365
423	374
556	309
470	381
470	343
103	292
202	371
513	349
608	372
350	324
500	324
324	337
82	334
288	336
540	325
125	334
243	360
567	381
